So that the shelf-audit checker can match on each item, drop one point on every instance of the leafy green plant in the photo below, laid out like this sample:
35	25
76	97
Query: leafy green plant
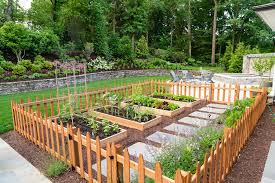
1	70
151	102
106	127
26	63
93	124
56	168
169	96
19	70
142	50
236	111
115	128
6	65
36	68
185	154
263	65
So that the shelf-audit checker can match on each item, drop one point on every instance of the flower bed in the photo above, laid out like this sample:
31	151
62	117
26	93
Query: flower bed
103	128
128	117
180	100
158	107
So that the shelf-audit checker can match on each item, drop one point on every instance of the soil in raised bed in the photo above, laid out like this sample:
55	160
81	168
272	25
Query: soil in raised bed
82	123
123	114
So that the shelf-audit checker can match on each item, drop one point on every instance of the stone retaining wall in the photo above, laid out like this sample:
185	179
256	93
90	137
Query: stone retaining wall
23	86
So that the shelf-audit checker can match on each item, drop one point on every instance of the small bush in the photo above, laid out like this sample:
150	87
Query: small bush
36	68
39	60
1	70
10	78
162	54
6	65
184	155
19	70
37	76
142	50
26	63
56	168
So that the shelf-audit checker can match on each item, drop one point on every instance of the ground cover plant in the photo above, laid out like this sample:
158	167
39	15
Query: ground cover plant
142	100
185	155
56	168
5	100
235	112
169	96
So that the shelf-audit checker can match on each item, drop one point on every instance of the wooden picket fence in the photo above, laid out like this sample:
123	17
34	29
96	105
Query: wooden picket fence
33	120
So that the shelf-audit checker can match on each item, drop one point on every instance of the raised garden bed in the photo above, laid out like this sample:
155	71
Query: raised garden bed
127	117
158	107
182	101
103	128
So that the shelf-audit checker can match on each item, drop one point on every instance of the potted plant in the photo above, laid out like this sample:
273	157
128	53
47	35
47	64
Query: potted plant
263	65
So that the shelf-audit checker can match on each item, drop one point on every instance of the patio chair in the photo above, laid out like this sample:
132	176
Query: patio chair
206	76
174	76
186	75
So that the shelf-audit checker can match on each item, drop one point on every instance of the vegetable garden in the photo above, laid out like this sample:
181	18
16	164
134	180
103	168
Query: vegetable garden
82	129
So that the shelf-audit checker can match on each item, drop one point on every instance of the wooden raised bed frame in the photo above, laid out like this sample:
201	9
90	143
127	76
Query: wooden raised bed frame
182	104
103	142
129	123
159	112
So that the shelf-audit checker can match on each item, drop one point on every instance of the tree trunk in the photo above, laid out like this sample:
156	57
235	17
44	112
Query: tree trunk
214	32
9	10
114	16
189	30
133	41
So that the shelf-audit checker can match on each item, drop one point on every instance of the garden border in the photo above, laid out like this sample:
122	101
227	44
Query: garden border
30	120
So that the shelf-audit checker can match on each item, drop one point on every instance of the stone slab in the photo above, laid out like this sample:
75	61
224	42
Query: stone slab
268	174
181	129
149	152
195	121
205	115
221	106
15	168
212	110
164	138
133	172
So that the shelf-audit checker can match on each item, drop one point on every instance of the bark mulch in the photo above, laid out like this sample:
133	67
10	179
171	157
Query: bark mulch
38	157
250	164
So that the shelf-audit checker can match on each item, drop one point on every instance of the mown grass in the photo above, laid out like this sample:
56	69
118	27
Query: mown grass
6	123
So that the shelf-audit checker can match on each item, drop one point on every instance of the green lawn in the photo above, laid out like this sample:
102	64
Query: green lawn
5	100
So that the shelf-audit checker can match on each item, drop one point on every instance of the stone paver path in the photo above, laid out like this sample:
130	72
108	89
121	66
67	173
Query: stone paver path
195	121
204	115
164	138
222	106
16	169
212	110
181	129
148	151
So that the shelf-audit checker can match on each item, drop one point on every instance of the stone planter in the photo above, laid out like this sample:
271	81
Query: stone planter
267	84
129	123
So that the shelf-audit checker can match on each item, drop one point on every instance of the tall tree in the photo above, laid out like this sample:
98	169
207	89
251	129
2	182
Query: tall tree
214	29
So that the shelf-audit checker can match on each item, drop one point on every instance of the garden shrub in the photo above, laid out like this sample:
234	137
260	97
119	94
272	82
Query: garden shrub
26	63
19	70
142	50
10	78
2	71
236	60
232	115
6	65
177	57
227	56
37	76
39	60
162	54
36	68
100	64
56	168
184	155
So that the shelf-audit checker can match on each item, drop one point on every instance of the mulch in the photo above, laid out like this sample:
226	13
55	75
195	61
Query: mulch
250	164
248	167
37	157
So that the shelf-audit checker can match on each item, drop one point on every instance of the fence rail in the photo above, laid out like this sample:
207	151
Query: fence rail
33	120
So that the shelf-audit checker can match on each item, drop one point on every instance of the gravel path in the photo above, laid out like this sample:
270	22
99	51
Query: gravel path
250	165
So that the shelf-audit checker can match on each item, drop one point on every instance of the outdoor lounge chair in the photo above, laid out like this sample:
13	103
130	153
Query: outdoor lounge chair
206	76
174	76
186	75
